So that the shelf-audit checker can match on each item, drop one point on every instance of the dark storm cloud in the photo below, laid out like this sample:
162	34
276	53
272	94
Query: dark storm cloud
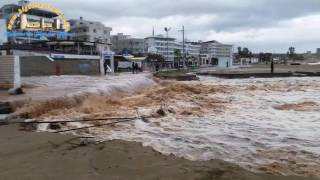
234	21
232	14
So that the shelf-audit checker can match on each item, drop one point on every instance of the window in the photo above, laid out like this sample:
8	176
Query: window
94	30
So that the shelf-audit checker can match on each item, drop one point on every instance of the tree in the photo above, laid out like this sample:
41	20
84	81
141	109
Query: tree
244	53
291	53
177	57
239	50
265	57
155	59
261	57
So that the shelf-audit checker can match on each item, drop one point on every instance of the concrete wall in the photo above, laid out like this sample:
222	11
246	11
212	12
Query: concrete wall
42	66
78	67
9	72
224	62
36	66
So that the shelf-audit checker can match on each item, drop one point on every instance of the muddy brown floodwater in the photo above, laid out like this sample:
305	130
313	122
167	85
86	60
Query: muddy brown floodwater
176	98
264	125
304	106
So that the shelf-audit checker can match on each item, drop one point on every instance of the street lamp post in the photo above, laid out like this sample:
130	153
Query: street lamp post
183	47
167	31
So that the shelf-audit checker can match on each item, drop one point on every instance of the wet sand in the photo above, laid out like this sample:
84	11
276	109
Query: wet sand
39	156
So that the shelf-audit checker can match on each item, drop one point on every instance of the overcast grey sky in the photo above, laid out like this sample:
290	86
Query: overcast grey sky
261	25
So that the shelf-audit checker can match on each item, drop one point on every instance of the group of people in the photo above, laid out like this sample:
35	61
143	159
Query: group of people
135	68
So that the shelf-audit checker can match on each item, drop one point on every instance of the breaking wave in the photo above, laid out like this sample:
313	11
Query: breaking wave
232	120
64	92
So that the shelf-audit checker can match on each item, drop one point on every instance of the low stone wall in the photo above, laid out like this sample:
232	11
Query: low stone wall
42	66
9	72
78	67
36	66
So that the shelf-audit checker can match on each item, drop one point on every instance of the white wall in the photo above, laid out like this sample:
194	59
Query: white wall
3	30
224	61
17	72
10	72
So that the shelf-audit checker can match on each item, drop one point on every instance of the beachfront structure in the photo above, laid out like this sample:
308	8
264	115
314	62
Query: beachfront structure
164	46
91	31
218	54
125	44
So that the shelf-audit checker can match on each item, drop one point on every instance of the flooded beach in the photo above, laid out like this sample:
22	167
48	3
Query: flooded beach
264	125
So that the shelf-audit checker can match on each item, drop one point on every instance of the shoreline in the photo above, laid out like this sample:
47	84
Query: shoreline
38	156
185	93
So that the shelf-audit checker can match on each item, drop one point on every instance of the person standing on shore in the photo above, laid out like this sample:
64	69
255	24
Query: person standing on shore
136	67
133	67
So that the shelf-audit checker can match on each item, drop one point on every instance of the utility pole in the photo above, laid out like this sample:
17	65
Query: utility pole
272	64
183	48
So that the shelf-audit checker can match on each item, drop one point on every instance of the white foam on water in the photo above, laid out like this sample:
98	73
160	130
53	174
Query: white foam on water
69	86
249	125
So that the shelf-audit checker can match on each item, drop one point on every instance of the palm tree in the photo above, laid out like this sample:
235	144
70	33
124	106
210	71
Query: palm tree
177	56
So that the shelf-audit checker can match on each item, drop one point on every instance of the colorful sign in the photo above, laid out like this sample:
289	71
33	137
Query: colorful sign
31	6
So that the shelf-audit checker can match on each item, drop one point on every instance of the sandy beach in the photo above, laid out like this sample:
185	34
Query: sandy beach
38	156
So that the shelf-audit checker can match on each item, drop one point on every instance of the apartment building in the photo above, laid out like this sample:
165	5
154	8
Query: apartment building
192	52
91	31
193	49
165	47
126	44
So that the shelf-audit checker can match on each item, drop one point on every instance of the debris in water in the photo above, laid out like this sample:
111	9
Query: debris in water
304	106
55	126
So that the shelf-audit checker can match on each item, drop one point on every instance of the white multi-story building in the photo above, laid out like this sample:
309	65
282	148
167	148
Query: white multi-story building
217	53
192	52
211	53
165	47
91	31
193	49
